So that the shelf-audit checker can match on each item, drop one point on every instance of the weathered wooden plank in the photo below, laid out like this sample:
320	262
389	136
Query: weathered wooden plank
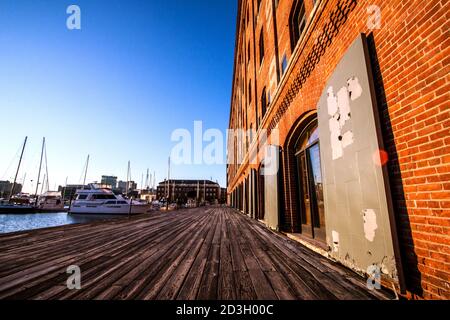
40	271
321	283
163	250
209	282
263	289
202	253
182	255
191	284
226	290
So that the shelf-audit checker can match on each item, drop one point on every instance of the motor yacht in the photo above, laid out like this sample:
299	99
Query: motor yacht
102	201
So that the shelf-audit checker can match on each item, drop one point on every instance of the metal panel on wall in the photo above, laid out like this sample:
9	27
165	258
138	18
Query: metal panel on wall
271	192
356	202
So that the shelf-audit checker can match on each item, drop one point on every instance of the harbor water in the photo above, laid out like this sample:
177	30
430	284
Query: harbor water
21	222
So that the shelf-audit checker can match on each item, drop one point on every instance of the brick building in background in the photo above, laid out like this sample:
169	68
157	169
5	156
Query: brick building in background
180	191
354	97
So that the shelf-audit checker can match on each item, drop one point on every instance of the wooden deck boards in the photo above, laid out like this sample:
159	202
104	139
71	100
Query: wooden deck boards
203	253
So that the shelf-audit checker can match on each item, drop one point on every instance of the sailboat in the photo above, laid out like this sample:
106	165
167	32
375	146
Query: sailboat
12	204
49	201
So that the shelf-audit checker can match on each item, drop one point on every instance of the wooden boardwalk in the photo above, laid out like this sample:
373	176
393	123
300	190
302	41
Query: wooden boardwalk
204	253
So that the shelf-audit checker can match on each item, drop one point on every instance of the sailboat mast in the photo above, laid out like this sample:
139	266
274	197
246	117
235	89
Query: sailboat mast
85	172
43	183
64	190
168	180
40	166
18	167
46	169
168	185
128	179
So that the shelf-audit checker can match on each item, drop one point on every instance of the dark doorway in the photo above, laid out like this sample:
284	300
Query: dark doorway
309	182
261	203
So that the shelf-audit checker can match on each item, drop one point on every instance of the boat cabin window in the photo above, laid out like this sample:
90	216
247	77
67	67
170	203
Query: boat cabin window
110	202
103	196
82	197
121	202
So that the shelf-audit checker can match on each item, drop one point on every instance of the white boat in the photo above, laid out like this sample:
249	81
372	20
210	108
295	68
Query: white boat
51	201
98	201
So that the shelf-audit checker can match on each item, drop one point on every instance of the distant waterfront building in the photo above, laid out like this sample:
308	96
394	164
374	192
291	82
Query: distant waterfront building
68	192
181	191
122	186
6	186
110	181
148	195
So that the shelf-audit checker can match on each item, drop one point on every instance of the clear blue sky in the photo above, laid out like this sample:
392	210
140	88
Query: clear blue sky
116	89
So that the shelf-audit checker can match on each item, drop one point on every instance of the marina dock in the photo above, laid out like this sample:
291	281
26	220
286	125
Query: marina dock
201	253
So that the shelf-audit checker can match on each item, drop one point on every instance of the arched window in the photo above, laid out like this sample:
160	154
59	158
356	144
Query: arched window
261	46
263	102
297	22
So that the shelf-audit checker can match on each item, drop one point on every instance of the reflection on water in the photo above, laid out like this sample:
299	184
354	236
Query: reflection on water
20	222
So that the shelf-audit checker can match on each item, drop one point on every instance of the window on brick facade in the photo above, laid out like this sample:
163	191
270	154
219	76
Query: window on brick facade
258	4
250	92
283	65
263	103
261	47
248	15
248	52
297	22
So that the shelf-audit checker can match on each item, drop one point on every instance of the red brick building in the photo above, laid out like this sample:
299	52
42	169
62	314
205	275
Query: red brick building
354	98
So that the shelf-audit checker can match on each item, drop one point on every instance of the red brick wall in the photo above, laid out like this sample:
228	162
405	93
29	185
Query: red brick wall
410	57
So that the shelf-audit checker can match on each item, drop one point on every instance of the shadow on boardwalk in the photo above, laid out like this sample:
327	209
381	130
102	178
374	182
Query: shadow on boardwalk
204	253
